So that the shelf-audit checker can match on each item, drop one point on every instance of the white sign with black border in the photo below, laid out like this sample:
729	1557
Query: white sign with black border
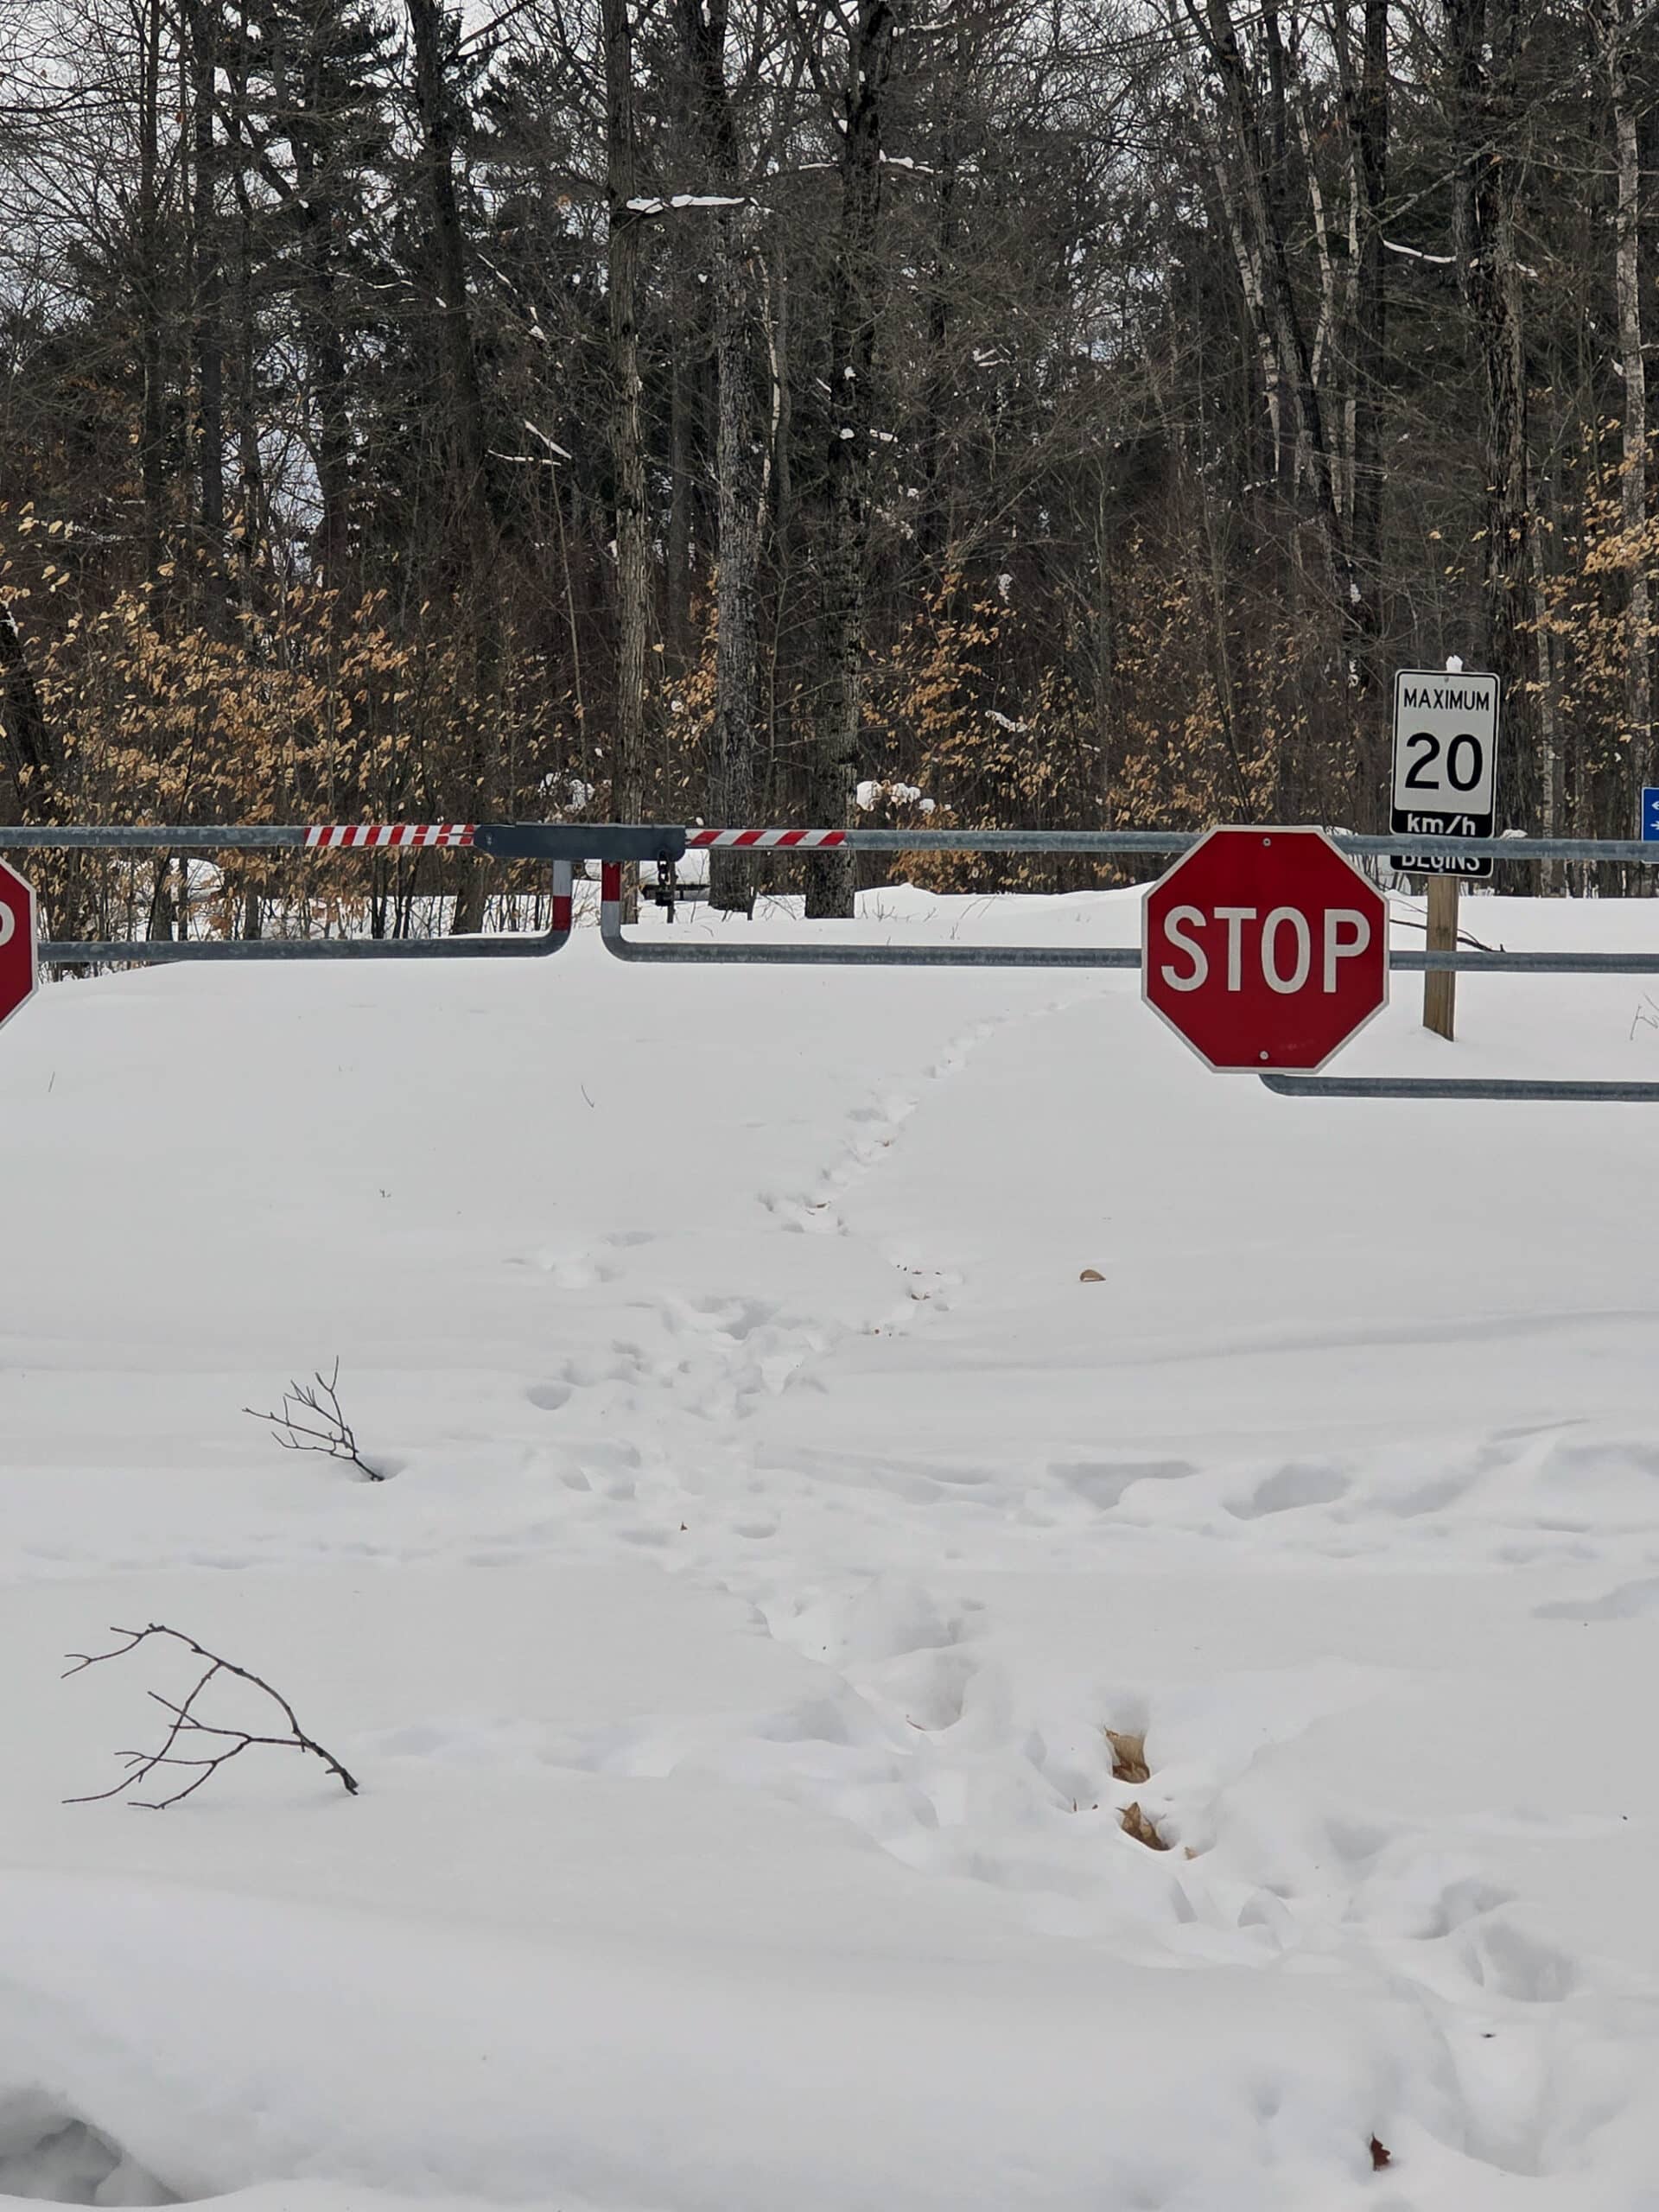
1446	726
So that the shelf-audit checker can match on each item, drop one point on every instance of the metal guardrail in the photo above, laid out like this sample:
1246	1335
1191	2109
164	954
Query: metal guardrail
157	952
1151	841
1464	960
611	840
750	953
615	844
1450	1087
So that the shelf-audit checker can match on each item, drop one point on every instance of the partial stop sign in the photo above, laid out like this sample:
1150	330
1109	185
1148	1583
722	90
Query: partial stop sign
1265	949
19	969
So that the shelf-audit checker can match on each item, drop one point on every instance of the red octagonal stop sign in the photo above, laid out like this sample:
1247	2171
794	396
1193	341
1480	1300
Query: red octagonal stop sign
1265	949
18	971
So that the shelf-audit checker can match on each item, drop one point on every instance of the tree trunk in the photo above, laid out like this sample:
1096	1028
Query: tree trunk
627	433
316	212
32	753
933	528
1367	109
251	536
1264	252
1615	27
677	579
782	425
468	521
146	286
1482	46
333	446
1551	806
464	434
732	747
854	302
201	25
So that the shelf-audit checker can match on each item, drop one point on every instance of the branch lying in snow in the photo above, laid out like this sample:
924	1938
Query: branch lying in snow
185	1724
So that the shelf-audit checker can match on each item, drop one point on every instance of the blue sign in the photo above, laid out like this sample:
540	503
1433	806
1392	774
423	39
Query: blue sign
1650	814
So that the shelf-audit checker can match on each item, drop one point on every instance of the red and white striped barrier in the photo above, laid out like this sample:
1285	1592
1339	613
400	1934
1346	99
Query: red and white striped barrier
695	838
383	836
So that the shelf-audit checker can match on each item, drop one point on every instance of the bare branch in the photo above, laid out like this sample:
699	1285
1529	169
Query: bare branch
329	1432
186	1725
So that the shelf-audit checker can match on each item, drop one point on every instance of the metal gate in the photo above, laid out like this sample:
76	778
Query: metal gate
563	845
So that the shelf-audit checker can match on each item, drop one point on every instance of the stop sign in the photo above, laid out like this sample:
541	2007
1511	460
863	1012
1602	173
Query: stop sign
18	971
1265	949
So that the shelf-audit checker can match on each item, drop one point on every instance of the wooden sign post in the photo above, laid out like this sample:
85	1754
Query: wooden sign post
1441	984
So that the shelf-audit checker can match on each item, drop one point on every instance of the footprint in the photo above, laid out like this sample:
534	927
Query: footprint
734	1318
1631	1601
1427	1497
582	1266
1503	1960
549	1396
1288	1488
1460	1902
568	1270
1102	1482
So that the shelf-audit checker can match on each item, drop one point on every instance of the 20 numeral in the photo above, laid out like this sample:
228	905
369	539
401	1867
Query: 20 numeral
1419	779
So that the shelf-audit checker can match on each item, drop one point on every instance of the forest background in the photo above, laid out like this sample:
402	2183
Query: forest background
979	411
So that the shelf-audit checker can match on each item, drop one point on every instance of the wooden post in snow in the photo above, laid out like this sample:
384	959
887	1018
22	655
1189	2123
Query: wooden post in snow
1441	984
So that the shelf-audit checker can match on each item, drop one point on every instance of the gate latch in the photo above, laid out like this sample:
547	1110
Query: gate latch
666	887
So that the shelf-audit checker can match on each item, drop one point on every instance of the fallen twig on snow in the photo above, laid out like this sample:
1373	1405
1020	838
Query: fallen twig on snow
186	1725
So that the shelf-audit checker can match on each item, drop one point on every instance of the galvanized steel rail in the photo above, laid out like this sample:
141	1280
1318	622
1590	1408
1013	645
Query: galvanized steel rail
612	844
603	841
158	952
1454	1086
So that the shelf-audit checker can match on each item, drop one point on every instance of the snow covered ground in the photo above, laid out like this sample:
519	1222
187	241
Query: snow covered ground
775	1526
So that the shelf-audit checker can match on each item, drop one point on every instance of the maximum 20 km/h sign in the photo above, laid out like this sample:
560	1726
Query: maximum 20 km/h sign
1446	728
